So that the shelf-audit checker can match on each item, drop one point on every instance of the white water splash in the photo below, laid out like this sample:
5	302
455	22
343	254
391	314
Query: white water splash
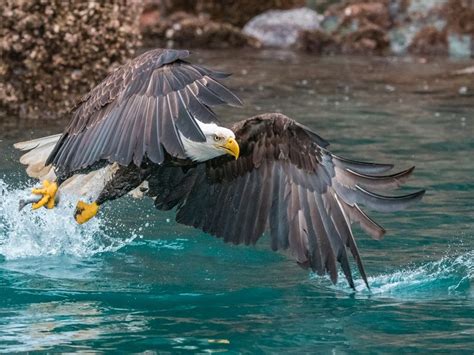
45	232
449	276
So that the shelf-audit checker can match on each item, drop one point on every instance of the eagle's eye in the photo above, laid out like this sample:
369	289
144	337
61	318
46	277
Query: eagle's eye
217	138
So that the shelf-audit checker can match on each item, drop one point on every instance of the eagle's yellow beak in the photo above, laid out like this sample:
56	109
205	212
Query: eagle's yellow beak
232	147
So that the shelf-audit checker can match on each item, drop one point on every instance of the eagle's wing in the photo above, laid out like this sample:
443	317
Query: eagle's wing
285	182
138	110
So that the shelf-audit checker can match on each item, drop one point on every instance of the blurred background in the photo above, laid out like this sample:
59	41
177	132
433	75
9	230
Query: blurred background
53	52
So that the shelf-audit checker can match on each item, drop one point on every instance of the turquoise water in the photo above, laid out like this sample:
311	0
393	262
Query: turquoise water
134	280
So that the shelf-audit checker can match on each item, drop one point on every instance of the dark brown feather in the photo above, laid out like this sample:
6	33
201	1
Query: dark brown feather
136	112
287	183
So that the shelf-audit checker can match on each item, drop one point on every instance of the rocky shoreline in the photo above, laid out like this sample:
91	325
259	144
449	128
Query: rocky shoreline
53	52
381	27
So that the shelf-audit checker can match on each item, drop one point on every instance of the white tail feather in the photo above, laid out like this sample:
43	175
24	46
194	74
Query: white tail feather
28	145
35	159
86	186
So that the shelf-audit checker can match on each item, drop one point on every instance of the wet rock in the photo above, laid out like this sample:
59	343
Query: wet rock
186	30
239	12
151	15
234	12
383	26
429	41
460	16
460	27
352	27
53	52
281	28
369	39
356	14
169	7
411	20
318	42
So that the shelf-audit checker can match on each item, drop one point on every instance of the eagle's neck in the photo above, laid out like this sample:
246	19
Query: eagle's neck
202	151
199	151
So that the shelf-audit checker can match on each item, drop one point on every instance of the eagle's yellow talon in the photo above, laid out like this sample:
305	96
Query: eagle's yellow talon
51	203
40	203
49	194
85	211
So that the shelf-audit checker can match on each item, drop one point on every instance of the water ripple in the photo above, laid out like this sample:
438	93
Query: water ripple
449	276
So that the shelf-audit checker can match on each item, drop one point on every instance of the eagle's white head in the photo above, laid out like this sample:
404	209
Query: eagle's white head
219	141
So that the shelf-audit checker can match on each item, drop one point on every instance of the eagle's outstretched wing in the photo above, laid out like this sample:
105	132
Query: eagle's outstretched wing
285	182
137	111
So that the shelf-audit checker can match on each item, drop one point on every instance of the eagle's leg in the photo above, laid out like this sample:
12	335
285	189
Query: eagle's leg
124	180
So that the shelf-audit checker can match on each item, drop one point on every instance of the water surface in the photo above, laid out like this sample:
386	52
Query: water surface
134	280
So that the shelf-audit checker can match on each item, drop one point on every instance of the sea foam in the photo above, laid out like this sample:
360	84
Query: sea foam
44	232
448	276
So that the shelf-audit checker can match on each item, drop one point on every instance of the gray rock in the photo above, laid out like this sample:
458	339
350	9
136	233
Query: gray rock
280	28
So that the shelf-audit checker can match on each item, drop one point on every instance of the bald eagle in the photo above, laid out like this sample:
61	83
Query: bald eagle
149	125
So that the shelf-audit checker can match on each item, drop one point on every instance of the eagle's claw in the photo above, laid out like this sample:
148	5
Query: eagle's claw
85	211
49	194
